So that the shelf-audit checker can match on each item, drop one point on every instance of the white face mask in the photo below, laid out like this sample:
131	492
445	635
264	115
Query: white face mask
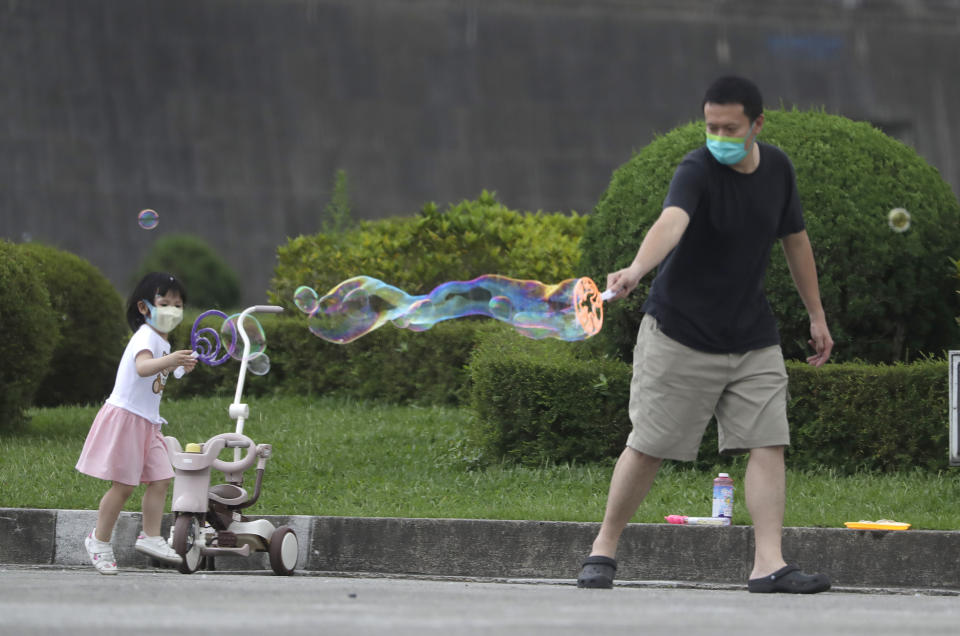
163	319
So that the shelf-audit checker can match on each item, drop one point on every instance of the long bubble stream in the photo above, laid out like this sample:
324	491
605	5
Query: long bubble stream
569	310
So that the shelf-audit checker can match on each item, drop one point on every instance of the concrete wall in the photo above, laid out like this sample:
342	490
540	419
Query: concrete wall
230	117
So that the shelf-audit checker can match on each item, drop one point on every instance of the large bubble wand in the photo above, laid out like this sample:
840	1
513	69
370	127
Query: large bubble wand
207	349
568	310
207	342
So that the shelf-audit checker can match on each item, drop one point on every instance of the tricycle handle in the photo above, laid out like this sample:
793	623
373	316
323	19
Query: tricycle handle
266	309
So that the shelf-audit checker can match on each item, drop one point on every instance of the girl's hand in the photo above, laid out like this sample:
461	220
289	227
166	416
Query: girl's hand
186	358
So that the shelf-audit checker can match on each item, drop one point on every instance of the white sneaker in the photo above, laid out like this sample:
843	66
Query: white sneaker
157	548
101	555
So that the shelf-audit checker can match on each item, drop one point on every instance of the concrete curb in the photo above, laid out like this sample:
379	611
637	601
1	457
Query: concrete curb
918	559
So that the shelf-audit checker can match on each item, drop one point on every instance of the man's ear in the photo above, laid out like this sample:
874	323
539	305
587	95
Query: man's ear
757	125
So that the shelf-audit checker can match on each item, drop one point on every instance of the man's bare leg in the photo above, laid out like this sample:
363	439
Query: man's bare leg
765	486
632	477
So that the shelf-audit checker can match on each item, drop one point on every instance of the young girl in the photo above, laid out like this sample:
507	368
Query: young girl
124	444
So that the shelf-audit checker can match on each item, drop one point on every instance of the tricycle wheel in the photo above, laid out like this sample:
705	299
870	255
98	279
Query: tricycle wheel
284	551
186	542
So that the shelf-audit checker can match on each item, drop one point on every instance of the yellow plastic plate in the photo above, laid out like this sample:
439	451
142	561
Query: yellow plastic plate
883	524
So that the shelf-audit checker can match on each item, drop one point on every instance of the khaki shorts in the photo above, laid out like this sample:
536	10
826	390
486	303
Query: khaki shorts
675	390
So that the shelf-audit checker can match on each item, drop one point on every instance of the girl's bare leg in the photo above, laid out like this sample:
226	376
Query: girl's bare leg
154	500
110	506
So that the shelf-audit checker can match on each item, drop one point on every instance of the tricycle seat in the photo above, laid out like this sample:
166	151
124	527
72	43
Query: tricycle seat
228	494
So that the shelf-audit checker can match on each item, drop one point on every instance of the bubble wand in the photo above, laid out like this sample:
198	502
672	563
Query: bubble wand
206	342
205	349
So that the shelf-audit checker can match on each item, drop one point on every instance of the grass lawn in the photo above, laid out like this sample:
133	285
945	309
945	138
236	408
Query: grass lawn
336	457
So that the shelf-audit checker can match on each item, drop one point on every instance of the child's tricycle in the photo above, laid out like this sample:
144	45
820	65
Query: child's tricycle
208	521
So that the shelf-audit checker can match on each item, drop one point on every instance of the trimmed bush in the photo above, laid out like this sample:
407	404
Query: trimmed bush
210	283
956	264
416	254
863	417
31	332
94	332
391	365
888	296
545	402
540	401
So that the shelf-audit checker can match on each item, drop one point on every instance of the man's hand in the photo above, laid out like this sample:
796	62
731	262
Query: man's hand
821	342
623	282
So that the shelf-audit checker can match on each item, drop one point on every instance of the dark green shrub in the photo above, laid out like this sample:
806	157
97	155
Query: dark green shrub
888	296
92	325
538	401
209	281
862	417
31	332
390	364
417	254
545	401
956	264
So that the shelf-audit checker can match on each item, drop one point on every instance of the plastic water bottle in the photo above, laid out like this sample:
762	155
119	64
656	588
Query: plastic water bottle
723	496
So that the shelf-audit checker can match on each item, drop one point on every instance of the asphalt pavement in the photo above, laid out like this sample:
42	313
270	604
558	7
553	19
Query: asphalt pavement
43	600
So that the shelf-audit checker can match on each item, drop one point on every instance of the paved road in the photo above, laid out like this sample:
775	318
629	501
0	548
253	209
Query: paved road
48	600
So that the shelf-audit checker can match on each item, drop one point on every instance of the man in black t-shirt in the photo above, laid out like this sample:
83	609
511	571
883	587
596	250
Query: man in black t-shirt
708	343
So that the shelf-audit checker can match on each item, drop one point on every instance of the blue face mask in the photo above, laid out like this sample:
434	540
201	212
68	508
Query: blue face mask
729	150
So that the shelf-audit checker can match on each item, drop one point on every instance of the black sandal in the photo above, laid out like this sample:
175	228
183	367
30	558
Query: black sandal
790	580
597	572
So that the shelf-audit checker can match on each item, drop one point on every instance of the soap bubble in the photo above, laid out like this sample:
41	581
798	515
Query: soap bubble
500	308
234	342
305	298
258	364
899	220
148	219
569	310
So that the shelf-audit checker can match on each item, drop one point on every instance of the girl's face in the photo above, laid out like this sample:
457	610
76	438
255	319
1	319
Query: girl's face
170	299
167	323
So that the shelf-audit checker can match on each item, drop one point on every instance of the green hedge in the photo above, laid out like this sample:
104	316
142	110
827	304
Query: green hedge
389	364
551	401
956	263
417	254
860	416
543	401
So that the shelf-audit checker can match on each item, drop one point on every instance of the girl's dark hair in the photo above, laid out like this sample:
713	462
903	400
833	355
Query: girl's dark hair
732	89
152	285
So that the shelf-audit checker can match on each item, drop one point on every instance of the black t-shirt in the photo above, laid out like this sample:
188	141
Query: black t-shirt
708	293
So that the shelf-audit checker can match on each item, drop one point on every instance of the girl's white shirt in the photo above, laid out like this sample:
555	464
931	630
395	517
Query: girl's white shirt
137	394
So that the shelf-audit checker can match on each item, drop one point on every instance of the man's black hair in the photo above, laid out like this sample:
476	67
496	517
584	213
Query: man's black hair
732	89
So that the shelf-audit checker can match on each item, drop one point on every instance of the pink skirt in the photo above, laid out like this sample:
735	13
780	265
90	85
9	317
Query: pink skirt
124	447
